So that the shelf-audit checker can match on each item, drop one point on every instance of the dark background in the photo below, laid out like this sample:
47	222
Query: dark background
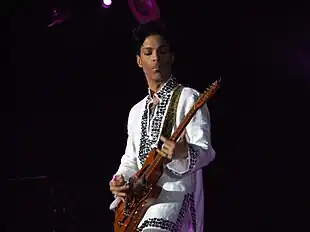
76	82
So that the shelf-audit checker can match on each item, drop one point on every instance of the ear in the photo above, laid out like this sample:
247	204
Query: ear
172	58
139	61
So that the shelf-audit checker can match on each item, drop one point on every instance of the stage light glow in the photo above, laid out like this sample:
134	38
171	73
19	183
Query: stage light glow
106	3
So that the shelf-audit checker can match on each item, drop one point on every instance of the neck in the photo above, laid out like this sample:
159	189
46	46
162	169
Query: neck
156	85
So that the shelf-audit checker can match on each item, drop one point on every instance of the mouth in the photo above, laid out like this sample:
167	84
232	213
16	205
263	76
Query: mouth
157	69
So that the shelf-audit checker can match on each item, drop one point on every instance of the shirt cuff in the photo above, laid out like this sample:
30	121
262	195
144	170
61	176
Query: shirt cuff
183	166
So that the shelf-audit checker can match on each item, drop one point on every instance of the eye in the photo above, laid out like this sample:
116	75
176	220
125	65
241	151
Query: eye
164	50
147	53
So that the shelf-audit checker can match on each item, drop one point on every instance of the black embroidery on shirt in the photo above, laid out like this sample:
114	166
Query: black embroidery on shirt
158	223
193	153
192	211
147	141
169	225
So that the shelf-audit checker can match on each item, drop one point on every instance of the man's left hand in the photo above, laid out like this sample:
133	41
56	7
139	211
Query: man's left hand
175	150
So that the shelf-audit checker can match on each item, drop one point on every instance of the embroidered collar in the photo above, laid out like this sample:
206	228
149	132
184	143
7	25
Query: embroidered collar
164	89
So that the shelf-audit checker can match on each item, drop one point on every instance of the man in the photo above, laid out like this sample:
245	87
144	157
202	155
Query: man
180	204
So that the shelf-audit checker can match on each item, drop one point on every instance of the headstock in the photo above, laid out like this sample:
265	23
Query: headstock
208	93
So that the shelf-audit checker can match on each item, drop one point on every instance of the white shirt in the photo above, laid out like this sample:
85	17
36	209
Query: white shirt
180	205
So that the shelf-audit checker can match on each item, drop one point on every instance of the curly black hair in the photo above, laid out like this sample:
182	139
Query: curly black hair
157	27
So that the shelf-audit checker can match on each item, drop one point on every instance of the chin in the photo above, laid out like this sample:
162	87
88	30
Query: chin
159	77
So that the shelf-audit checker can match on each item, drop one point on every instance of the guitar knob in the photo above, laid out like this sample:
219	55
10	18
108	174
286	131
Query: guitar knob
120	223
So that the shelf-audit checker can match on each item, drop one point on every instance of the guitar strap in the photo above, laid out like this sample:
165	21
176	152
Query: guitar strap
171	113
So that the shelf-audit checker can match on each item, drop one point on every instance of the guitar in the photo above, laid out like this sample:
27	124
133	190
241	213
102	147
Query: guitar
143	185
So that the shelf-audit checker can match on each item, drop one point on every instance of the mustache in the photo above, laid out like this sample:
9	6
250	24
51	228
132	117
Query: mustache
159	66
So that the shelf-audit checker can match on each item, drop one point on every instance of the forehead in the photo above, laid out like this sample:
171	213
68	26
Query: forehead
154	41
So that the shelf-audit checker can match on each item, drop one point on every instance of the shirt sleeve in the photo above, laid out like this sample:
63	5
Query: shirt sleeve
128	166
200	151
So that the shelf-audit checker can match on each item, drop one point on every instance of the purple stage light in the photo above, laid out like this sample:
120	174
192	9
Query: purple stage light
144	10
106	3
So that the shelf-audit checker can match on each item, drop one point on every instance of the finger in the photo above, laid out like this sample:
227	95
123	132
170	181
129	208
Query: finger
165	149
163	139
116	183
112	180
169	144
119	194
119	188
167	152
169	147
120	182
119	178
161	153
113	183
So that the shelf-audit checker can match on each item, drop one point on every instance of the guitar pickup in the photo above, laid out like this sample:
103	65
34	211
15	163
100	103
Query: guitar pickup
120	223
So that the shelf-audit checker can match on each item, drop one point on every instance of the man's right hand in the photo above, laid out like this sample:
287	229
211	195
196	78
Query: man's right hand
118	186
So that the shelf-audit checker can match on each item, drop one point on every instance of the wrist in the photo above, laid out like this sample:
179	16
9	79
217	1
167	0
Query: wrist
183	153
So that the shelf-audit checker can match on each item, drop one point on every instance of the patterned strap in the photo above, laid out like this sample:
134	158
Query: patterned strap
171	113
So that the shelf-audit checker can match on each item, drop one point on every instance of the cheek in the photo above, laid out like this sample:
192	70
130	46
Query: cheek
146	65
166	59
145	69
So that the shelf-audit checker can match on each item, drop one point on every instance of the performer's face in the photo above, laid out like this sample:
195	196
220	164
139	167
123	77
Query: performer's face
155	58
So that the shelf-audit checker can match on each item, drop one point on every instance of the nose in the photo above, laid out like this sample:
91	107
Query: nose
155	56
